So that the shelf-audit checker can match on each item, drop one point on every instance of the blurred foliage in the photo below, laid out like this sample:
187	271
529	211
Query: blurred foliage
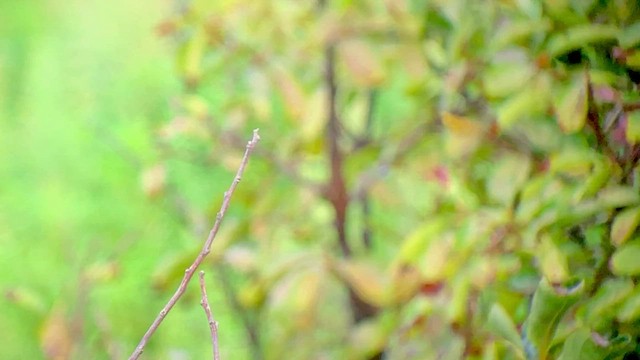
490	153
490	157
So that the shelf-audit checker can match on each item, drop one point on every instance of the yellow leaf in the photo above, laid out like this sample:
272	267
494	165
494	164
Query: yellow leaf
252	296
362	64
366	280
292	94
571	107
552	261
154	180
55	337
624	225
464	134
460	125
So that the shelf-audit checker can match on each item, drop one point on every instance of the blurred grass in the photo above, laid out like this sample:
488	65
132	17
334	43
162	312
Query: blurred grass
83	86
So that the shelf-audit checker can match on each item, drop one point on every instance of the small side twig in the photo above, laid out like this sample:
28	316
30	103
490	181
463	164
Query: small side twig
206	248
213	325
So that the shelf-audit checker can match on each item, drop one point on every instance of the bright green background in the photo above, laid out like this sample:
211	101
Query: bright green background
82	85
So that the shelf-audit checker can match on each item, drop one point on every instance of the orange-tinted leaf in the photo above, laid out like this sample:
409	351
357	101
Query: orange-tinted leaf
154	180
292	94
366	280
55	337
362	64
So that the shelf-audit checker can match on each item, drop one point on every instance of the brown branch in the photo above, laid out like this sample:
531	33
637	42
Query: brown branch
213	325
335	191
190	271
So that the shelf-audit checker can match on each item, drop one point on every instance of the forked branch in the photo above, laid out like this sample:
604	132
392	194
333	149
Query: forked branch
213	325
206	248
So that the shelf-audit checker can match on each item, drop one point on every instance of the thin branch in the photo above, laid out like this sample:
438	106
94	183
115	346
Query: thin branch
189	272
593	119
366	139
336	191
213	325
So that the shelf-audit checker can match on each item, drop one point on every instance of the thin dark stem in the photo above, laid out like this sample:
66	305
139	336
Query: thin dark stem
365	200
213	325
593	119
366	215
336	191
190	271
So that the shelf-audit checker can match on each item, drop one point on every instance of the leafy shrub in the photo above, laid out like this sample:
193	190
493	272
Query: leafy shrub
474	194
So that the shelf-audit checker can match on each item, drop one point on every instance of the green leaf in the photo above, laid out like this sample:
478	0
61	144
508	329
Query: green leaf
601	308
580	36
617	196
552	261
633	127
531	101
630	36
572	162
625	260
503	79
414	246
599	177
624	224
630	309
571	106
580	346
550	303
500	323
510	173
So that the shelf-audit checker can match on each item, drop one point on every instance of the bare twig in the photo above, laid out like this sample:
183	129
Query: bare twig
213	325
205	250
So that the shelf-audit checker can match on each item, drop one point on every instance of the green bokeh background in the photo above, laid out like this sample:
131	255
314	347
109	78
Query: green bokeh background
82	86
